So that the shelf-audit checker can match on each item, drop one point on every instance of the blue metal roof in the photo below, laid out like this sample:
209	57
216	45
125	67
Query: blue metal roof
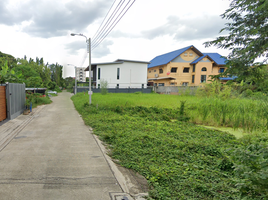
217	58
228	78
166	58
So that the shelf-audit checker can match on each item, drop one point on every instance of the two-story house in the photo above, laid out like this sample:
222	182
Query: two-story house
186	66
120	74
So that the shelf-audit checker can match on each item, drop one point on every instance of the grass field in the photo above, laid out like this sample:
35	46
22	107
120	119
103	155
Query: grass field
149	133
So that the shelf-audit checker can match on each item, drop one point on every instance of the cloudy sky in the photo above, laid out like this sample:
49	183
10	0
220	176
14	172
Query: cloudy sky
41	28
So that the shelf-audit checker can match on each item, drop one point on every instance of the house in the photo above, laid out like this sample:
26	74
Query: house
186	66
120	74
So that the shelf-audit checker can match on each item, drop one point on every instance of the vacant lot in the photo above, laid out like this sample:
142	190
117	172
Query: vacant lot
153	135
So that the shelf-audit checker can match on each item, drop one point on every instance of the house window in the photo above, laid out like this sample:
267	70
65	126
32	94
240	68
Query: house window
118	73
204	69
173	70
155	84
99	71
203	78
191	54
160	71
221	70
184	83
142	85
117	85
172	83
150	71
98	85
161	84
155	70
193	67
186	70
185	54
192	78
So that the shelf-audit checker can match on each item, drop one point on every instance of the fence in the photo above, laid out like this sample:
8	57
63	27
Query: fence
176	90
15	99
116	90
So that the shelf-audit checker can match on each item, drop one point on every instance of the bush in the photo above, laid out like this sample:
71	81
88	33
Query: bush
104	86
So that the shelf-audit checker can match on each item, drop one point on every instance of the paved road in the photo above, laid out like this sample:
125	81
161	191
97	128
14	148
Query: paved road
55	157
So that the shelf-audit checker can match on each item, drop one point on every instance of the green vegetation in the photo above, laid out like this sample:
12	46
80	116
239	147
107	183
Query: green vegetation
36	99
149	134
32	73
247	41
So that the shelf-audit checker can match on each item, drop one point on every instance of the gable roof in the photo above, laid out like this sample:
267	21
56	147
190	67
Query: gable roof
166	58
217	58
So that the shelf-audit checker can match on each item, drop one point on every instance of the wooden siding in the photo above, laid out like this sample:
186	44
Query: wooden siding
3	108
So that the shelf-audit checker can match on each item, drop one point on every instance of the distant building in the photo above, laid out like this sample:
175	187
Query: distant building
120	74
80	74
186	66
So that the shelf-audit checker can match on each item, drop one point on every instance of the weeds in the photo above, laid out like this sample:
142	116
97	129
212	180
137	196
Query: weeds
180	160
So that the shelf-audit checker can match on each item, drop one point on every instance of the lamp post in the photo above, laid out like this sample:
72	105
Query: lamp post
89	66
75	71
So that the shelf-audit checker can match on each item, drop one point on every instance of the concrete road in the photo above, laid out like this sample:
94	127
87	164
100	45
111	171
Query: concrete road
55	157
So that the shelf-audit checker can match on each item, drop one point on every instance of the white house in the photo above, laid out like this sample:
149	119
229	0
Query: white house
120	74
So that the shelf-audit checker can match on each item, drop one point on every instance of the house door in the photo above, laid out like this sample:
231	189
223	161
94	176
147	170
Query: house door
3	106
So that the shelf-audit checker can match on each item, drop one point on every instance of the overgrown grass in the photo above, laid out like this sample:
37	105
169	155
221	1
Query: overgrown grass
180	160
249	114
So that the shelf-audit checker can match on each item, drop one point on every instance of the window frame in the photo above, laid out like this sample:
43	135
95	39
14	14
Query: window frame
203	70
99	73
161	71
204	80
221	68
193	77
175	70
118	74
186	71
193	67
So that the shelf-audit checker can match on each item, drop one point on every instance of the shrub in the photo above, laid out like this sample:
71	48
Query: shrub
104	86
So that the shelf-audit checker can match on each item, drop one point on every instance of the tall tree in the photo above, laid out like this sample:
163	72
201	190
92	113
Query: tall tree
247	39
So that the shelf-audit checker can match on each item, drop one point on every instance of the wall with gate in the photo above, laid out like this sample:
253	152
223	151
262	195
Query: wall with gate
3	106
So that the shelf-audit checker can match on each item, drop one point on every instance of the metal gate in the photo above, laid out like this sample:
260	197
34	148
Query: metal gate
3	105
15	95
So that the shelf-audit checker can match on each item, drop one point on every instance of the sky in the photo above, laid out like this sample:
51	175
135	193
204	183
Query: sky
42	28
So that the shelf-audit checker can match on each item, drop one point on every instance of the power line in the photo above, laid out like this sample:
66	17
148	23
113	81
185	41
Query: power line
114	23
116	10
100	35
104	19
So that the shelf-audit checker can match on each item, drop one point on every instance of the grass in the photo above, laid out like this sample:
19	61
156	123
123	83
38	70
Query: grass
179	159
250	115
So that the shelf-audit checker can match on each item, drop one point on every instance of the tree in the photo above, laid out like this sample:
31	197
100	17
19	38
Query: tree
8	75
247	39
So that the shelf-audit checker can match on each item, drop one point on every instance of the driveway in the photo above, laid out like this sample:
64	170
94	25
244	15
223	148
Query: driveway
55	156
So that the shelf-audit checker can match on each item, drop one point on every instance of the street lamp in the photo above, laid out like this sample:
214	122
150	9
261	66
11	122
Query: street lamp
75	71
89	67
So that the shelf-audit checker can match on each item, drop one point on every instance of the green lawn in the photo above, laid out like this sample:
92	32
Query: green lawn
149	134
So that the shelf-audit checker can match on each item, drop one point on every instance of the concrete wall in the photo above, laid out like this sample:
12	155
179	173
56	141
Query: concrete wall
176	90
132	74
116	90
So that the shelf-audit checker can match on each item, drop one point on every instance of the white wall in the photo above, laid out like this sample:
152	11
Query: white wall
132	74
